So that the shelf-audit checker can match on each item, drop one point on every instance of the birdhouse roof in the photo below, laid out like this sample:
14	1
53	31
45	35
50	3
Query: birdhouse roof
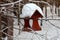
29	9
36	15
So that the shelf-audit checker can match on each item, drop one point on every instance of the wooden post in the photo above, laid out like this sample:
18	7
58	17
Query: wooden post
58	11
0	28
45	11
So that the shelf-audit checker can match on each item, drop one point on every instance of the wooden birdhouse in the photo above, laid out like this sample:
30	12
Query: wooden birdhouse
34	12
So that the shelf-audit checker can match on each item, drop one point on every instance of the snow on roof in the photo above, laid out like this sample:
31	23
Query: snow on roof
29	9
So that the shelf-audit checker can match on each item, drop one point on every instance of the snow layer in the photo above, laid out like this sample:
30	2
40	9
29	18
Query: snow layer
29	9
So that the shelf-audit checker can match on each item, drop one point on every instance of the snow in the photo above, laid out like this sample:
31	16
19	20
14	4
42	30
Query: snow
29	9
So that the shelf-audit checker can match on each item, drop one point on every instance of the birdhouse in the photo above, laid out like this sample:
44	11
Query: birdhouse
33	11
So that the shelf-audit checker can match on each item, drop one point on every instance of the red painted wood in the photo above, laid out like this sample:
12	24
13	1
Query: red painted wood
35	25
26	25
36	15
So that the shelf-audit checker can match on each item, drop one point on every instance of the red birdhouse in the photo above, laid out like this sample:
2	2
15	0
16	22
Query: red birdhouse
33	11
35	25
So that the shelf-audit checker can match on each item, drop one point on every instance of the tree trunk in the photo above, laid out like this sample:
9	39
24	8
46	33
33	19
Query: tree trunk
0	28
10	24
